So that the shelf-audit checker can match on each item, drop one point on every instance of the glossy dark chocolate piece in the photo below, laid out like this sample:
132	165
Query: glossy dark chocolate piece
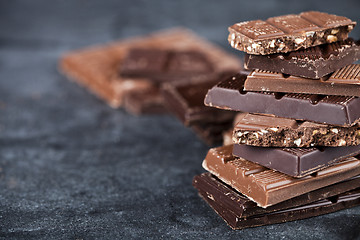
289	33
295	162
343	82
338	110
244	207
186	100
239	212
314	62
267	187
270	131
164	65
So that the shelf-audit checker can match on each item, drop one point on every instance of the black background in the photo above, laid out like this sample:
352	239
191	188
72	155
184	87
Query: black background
73	168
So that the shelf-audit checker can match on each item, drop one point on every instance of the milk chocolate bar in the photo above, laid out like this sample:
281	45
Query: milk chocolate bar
270	131
268	187
295	162
165	65
97	68
239	212
315	62
186	100
338	110
289	33
344	82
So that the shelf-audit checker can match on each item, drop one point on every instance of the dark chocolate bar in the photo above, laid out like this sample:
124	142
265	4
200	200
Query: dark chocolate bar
289	33
267	187
270	131
239	212
338	110
186	100
314	62
244	207
344	82
164	65
295	162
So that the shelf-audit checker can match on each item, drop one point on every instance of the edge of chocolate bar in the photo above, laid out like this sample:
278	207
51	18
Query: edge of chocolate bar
337	110
244	207
234	219
314	62
343	82
289	32
295	162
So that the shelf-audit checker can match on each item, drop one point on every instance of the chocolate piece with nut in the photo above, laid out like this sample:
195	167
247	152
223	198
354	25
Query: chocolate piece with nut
289	33
270	131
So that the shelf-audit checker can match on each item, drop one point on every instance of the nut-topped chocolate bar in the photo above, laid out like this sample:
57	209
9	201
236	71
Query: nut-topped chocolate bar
289	33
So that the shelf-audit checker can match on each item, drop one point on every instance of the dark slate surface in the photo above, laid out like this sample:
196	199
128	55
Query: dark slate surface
73	168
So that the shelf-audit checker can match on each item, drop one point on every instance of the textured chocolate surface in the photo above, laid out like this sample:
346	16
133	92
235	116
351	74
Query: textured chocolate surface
270	131
314	62
97	68
296	162
164	65
344	82
244	207
186	100
289	33
338	110
231	205
267	187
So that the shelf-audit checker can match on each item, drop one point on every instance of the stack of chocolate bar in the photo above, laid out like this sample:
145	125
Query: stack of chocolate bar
295	144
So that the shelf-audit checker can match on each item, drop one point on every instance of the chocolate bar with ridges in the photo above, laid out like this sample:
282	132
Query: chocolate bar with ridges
239	212
270	131
314	62
244	207
343	82
289	33
267	187
338	110
295	162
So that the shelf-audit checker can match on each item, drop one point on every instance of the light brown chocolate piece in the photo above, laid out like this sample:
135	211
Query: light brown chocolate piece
343	82
97	68
271	131
289	32
268	187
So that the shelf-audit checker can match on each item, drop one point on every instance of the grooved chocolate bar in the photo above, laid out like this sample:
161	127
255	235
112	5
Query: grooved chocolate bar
164	65
344	82
268	187
228	197
239	212
314	62
270	131
289	33
186	100
338	110
296	162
